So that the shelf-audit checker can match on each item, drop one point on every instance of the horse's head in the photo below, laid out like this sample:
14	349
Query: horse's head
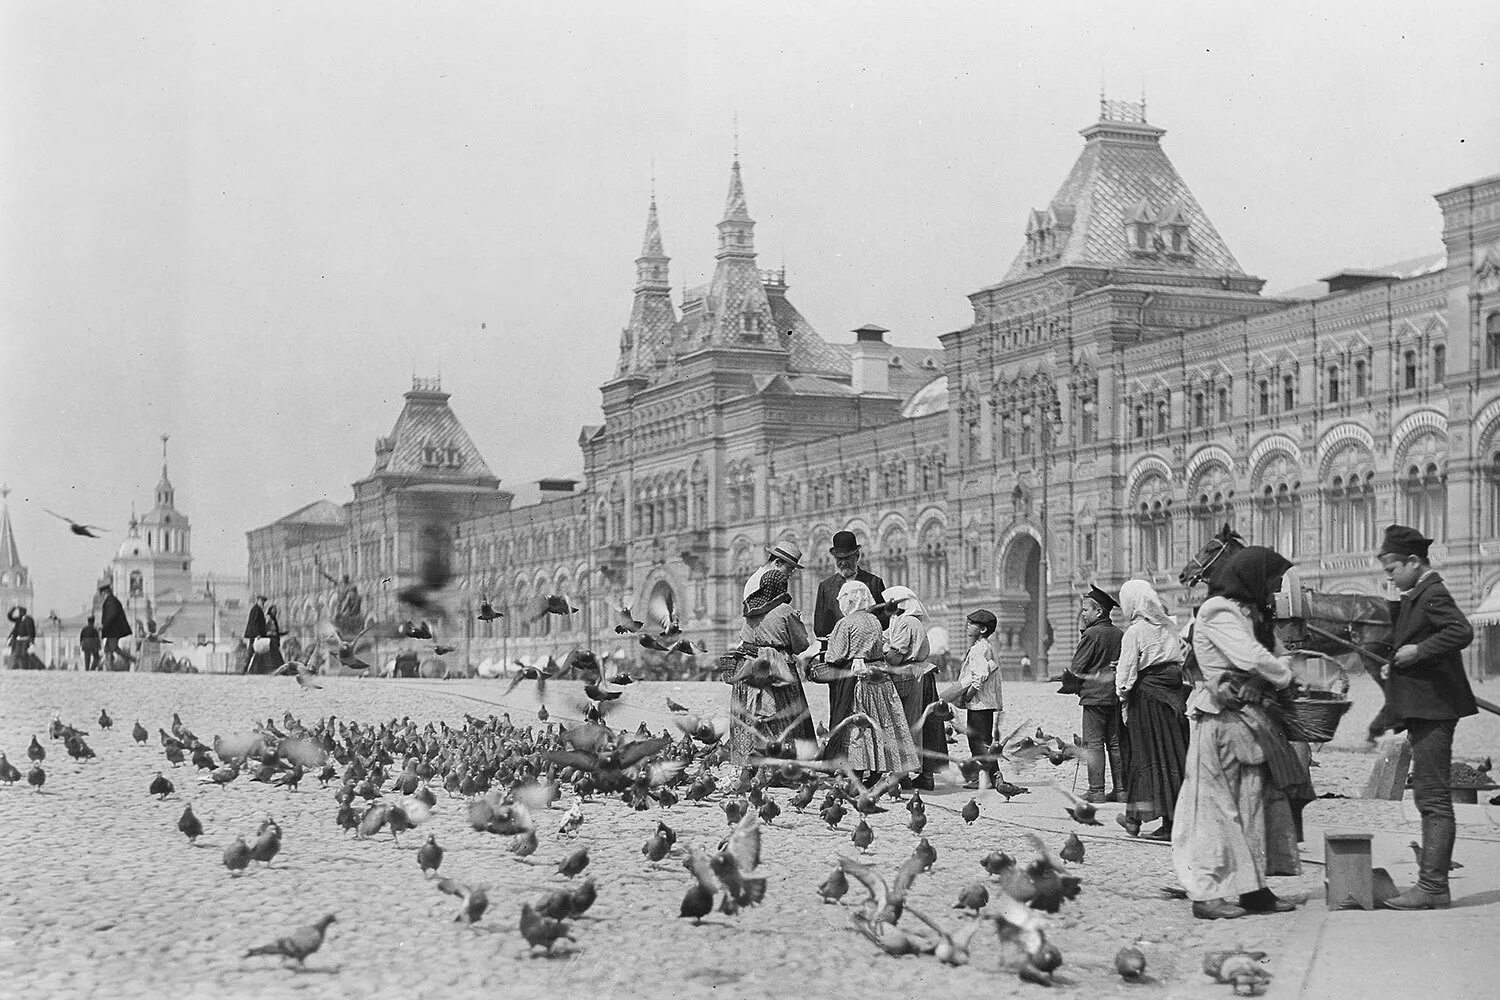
1223	545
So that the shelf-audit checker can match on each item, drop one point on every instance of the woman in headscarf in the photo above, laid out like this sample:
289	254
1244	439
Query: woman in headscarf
768	696
856	645
1233	824
1148	680
906	648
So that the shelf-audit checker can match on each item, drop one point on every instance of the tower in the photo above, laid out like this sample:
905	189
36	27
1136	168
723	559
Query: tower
15	579
647	341
159	546
738	311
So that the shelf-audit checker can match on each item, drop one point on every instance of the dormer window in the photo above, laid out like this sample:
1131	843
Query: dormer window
1140	228
1172	227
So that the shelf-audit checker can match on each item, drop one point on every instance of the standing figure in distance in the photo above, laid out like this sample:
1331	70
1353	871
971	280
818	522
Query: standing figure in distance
826	613
255	628
89	642
114	626
1093	679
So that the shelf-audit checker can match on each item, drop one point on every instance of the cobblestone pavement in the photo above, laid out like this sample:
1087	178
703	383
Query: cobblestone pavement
103	897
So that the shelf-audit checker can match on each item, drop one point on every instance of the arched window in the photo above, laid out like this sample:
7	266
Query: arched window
1264	404
1211	502
1492	341
1140	421
1424	491
1439	364
1333	383
1278	506
1153	525
1361	379
1409	369
1162	413
1224	408
1288	392
1200	410
1492	495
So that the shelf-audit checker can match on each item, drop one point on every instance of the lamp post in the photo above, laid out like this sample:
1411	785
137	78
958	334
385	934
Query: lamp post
1045	427
57	646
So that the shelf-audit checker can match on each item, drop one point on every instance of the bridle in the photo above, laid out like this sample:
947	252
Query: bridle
1196	577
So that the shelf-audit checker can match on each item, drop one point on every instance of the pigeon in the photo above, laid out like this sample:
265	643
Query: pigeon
889	938
970	812
915	803
917	823
769	811
1244	970
551	604
267	843
581	898
221	776
9	774
625	623
863	836
36	753
572	820
996	862
1081	810
925	853
105	722
656	847
886	901
475	900
697	902
237	856
948	950
487	612
672	706
36	777
1072	849
524	844
574	863
834	886
299	944
84	530
430	856
540	931
190	825
734	866
1130	963
160	786
138	733
832	813
973	897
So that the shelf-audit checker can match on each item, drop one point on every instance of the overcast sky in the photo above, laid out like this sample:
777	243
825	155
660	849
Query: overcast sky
248	227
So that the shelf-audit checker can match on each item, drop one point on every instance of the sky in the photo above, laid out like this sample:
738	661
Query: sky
249	227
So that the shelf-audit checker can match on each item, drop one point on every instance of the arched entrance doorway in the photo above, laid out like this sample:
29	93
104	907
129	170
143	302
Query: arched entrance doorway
1021	631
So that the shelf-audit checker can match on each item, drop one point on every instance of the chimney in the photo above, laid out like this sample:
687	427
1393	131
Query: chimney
869	361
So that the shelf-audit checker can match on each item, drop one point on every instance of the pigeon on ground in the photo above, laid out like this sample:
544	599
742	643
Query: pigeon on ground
299	944
1130	963
190	825
161	787
8	771
574	863
36	777
429	856
540	931
475	899
237	856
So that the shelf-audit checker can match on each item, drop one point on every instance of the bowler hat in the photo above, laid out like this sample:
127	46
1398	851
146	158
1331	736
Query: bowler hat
106	585
787	552
984	619
1403	541
1106	603
844	544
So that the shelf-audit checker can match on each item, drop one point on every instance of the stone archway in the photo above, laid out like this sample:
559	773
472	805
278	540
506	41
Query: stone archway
1021	630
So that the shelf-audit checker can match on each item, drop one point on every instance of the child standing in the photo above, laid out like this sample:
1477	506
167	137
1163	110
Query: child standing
982	696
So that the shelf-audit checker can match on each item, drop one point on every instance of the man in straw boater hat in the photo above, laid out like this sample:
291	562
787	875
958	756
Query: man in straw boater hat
1091	676
1426	687
785	556
826	613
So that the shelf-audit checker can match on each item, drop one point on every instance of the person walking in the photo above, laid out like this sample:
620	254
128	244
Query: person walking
1092	677
906	647
1153	707
846	556
856	646
1427	689
1233	824
982	699
22	635
273	660
255	629
114	626
89	642
767	695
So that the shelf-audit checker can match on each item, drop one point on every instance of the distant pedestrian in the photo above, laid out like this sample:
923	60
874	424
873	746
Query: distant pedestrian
982	698
255	631
89	642
1427	689
273	659
114	626
22	635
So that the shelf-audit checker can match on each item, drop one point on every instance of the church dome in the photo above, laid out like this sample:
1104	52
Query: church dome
134	548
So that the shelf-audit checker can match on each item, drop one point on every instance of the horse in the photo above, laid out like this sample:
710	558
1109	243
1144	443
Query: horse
1333	624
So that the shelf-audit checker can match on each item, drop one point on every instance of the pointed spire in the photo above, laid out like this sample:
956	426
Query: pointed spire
651	266
651	246
736	229
10	557
735	209
164	491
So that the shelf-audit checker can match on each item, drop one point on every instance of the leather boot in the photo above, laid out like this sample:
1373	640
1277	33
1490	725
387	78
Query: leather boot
1417	899
1117	775
1437	855
1093	760
1216	909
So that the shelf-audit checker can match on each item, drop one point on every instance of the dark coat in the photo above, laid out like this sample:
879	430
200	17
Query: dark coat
112	621
22	626
88	639
255	626
1435	686
1094	663
826	614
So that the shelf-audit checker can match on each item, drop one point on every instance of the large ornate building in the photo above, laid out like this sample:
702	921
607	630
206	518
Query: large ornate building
1122	391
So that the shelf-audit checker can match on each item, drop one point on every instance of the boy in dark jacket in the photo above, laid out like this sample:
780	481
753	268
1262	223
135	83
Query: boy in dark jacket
1092	678
1427	688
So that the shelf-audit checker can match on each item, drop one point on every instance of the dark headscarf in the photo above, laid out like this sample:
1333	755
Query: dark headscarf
771	592
1246	576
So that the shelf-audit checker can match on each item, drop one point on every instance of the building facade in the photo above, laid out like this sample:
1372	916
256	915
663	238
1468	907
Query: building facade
1122	391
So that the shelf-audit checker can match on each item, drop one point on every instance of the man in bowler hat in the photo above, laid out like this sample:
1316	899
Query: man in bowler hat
826	613
113	626
1426	687
1092	677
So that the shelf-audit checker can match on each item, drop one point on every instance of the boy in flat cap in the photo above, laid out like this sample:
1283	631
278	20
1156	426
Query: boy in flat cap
1426	687
1093	680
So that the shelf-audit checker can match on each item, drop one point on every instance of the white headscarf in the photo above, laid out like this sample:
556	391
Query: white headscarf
855	596
905	600
1138	599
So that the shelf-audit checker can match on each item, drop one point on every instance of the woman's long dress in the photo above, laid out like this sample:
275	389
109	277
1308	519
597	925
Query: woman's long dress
1157	742
759	715
888	746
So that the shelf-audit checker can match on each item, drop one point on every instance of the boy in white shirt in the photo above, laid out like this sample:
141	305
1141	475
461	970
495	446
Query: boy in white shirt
982	698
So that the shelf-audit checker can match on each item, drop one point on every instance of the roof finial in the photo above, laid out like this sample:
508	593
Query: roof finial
653	180
4	491
736	135
164	451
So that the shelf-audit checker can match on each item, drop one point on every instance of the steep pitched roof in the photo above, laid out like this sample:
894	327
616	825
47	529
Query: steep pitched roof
318	512
1122	176
428	441
10	556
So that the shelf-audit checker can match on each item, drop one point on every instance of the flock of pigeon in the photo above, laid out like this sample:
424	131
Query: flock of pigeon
389	776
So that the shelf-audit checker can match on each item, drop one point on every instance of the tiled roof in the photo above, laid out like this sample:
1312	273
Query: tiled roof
1412	267
318	512
810	353
1124	173
428	441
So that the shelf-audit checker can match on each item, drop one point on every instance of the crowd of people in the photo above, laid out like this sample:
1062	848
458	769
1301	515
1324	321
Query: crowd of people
1194	729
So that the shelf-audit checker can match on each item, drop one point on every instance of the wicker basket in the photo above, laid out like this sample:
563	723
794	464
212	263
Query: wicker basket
1315	716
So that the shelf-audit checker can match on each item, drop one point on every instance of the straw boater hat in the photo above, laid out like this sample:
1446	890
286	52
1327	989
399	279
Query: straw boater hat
788	551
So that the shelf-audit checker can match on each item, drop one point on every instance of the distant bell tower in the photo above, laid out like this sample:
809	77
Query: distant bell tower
168	538
15	578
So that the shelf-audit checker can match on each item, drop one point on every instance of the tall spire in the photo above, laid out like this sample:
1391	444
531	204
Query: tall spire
651	265
10	557
164	491
736	229
646	340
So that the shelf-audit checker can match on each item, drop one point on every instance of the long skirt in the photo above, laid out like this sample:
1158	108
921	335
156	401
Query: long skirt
1156	748
760	716
889	745
930	738
1219	833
